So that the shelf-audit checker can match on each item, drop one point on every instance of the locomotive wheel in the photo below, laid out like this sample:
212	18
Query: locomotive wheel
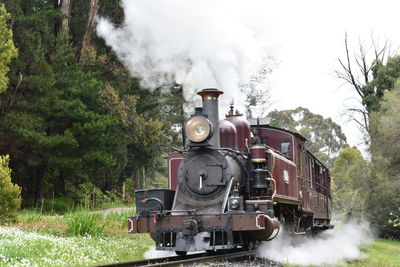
180	253
251	245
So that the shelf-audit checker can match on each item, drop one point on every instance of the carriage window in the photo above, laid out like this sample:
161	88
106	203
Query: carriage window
285	148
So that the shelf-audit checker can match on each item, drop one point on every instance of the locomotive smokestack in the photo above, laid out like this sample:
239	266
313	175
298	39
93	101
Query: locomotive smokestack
210	108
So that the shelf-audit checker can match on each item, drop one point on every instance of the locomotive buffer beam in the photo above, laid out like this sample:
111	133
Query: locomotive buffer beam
204	232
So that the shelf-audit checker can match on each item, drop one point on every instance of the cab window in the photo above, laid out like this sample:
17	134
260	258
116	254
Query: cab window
285	148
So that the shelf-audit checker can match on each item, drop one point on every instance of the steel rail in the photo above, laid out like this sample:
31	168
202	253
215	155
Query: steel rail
182	260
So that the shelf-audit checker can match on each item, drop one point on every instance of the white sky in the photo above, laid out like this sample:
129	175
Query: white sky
309	37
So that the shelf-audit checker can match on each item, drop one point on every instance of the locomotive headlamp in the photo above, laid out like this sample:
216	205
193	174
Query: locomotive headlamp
234	204
198	129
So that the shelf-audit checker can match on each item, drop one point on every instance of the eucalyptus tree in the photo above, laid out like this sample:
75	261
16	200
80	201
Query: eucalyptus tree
324	137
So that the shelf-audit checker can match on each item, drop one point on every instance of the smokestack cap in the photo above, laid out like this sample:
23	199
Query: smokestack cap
210	94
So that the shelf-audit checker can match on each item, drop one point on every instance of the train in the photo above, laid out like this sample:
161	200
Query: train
235	184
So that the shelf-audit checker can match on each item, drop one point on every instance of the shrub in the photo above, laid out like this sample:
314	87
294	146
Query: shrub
10	194
84	223
30	216
58	205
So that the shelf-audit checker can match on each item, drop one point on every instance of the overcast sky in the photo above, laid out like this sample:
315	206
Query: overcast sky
309	38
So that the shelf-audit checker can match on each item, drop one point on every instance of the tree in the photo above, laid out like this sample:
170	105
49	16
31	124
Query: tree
7	48
348	175
386	128
366	73
65	8
142	135
55	124
379	95
324	137
72	115
258	101
257	90
90	27
62	136
384	195
10	194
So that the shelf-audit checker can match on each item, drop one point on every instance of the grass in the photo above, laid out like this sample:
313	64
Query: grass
26	248
30	216
381	253
74	223
79	238
119	218
84	223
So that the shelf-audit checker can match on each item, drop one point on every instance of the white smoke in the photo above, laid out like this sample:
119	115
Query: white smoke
330	247
152	253
199	44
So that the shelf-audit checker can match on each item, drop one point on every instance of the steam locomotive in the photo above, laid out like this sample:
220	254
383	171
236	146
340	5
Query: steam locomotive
233	186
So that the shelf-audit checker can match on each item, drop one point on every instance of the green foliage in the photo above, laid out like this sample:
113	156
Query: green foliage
283	119
395	218
348	166
385	128
156	181
10	199
384	78
92	197
381	105
7	48
67	123
64	134
84	223
325	137
30	216
58	205
374	188
120	217
384	196
349	174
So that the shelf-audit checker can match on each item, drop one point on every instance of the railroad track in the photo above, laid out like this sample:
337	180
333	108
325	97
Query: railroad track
184	260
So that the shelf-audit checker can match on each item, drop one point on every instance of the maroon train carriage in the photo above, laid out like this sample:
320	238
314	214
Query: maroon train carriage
233	186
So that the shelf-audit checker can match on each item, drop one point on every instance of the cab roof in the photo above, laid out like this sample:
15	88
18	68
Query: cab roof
264	122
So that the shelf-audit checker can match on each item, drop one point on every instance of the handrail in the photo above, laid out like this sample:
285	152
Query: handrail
271	179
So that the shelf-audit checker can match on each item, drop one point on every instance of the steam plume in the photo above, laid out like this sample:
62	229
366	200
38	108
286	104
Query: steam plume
330	247
199	44
152	253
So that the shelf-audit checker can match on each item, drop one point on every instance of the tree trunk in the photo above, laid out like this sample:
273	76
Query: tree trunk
90	27
65	8
123	192
38	186
136	180
143	177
